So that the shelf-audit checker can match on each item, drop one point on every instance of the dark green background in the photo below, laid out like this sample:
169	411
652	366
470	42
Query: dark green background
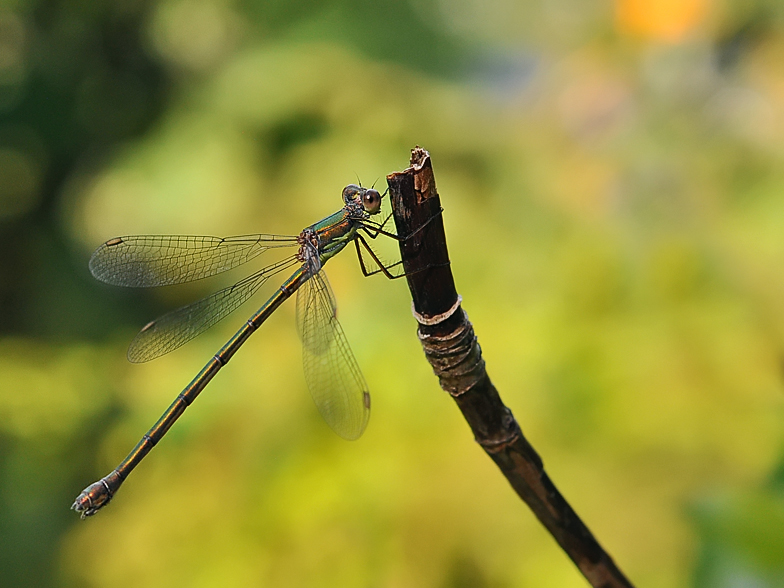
614	204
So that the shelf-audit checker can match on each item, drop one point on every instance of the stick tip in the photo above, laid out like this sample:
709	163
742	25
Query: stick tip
418	157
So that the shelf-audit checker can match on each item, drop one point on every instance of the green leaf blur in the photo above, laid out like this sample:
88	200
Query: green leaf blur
612	176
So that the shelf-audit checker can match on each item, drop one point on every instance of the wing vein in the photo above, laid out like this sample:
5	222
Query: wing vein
179	326
331	371
144	261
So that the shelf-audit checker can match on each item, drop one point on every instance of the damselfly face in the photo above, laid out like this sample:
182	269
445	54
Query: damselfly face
369	198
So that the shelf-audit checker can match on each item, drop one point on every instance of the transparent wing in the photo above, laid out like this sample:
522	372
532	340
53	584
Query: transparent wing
331	370
306	302
158	260
177	327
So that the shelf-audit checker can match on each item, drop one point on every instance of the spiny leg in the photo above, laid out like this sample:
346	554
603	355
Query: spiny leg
381	267
374	229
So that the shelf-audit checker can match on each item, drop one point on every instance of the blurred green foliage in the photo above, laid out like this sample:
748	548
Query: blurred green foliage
613	188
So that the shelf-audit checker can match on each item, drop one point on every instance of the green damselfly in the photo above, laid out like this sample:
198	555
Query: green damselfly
331	371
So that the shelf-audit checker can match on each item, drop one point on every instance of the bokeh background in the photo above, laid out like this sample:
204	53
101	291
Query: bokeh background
612	175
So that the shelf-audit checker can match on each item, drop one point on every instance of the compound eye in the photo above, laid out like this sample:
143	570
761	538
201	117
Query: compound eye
371	201
350	192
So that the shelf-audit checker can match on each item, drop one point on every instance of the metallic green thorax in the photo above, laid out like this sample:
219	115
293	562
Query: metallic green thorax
337	230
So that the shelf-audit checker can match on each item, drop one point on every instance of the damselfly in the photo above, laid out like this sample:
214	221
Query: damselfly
331	371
